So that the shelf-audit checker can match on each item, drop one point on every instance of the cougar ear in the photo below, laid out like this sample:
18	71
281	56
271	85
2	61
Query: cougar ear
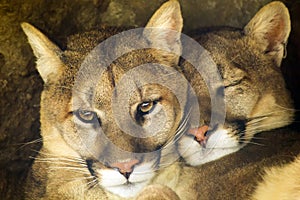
165	30
48	54
270	28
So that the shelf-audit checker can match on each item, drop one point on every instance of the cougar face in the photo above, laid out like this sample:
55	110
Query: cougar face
125	133
254	90
119	120
119	123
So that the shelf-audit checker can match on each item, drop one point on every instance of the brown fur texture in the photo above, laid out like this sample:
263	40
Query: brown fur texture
281	182
73	164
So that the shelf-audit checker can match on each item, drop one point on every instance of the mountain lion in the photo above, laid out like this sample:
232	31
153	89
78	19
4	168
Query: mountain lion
107	130
280	183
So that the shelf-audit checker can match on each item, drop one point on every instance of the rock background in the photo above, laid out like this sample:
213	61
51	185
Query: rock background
20	85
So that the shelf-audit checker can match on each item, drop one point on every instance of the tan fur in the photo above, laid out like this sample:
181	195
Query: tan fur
164	194
280	183
255	92
267	104
47	54
267	25
77	162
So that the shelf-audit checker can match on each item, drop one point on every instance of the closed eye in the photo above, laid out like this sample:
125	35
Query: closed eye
234	83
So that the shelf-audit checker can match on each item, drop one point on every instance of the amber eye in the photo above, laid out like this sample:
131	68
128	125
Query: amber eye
86	116
146	107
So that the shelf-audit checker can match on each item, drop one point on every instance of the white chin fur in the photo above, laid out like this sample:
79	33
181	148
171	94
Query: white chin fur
116	183
218	145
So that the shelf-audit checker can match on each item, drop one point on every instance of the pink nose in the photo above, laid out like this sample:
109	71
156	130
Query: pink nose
200	134
125	168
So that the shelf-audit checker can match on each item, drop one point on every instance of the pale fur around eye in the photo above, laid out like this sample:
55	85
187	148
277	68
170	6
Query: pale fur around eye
86	116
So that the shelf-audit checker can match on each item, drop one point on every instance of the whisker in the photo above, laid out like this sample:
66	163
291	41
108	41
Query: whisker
93	183
55	156
276	112
256	120
31	142
75	179
286	108
79	161
255	143
253	137
69	168
24	144
267	114
62	164
83	178
79	179
180	130
209	150
257	127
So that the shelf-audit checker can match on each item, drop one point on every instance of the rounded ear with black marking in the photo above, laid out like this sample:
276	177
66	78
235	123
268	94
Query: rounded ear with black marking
270	28
167	26
48	54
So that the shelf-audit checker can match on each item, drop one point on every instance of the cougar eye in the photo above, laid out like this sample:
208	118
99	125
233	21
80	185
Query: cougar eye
146	107
86	116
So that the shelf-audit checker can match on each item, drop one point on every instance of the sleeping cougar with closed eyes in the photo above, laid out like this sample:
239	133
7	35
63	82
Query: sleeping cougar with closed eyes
108	129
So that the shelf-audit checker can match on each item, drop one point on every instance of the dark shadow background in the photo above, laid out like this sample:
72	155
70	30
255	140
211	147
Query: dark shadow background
20	84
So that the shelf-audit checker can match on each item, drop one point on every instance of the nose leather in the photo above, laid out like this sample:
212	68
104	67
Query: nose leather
125	168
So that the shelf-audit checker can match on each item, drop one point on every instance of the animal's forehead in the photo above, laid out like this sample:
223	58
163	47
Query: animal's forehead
220	41
237	51
85	42
115	82
94	83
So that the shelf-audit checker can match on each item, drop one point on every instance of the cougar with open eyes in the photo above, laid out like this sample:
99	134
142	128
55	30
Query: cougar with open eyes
113	115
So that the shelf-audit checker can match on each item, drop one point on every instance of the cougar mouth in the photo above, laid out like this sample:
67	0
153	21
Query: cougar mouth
205	144
117	181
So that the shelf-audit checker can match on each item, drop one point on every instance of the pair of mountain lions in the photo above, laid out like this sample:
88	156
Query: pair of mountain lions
116	114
